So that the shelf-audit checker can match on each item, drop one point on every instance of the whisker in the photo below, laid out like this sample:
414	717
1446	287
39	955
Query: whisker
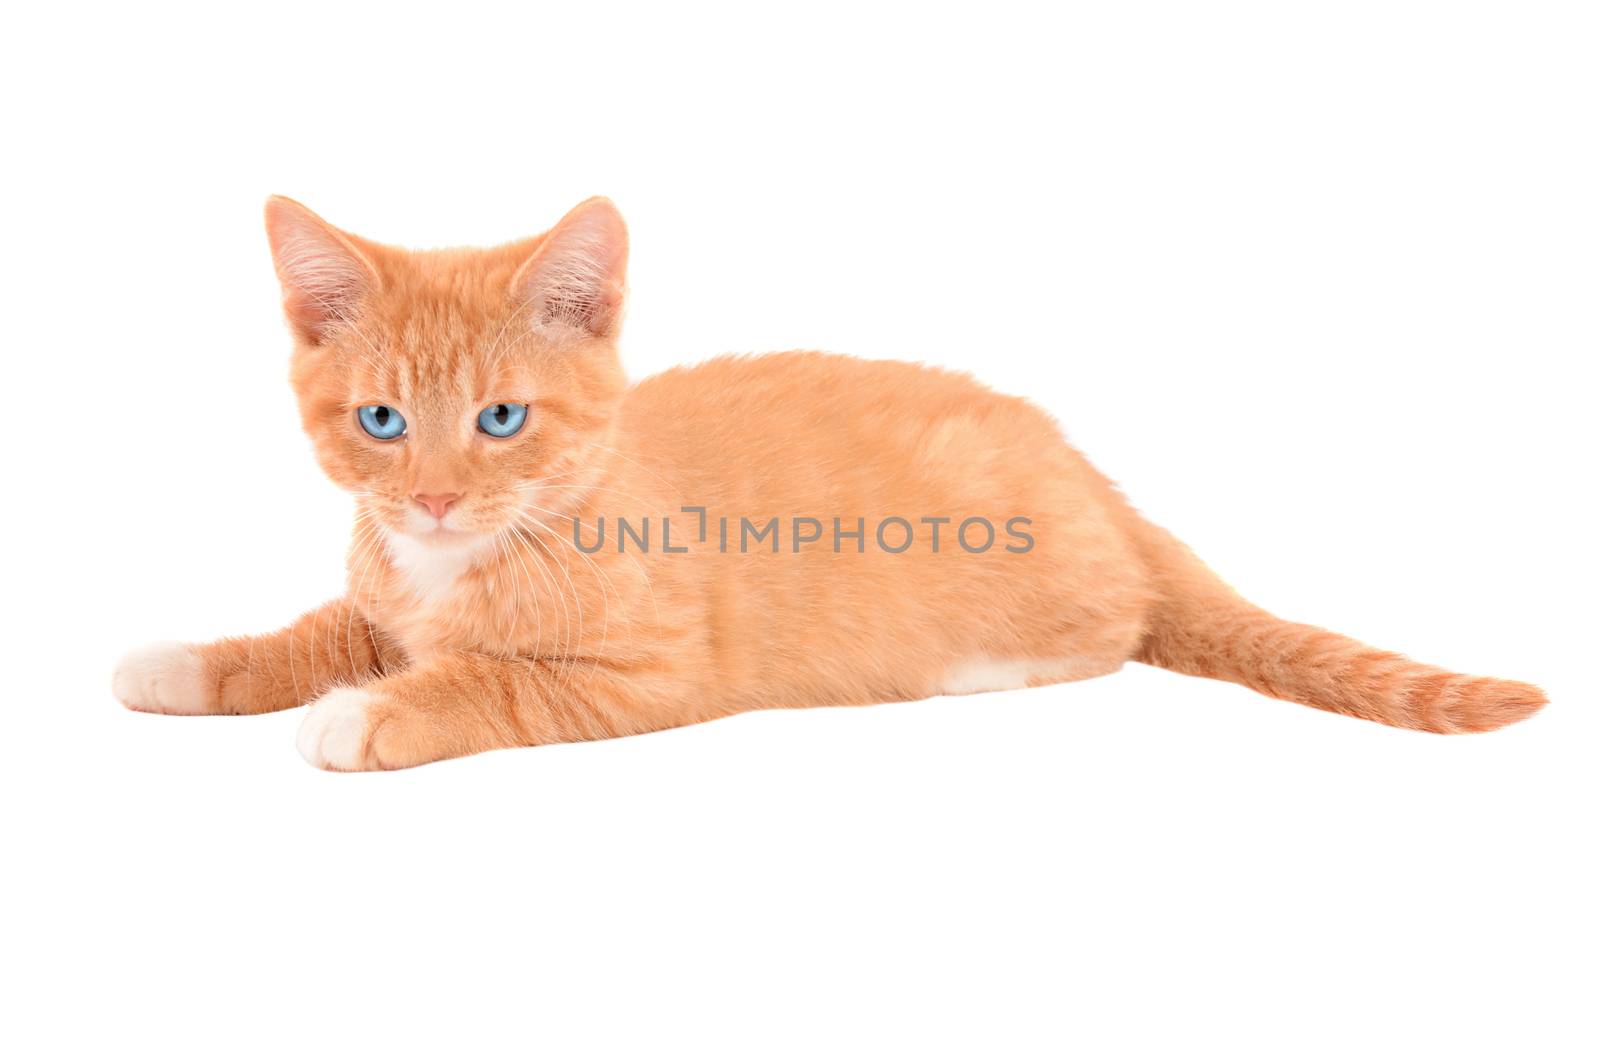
370	537
649	586
565	644
604	602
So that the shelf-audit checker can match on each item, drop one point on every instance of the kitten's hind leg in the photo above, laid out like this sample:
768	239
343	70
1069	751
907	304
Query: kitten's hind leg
986	674
329	646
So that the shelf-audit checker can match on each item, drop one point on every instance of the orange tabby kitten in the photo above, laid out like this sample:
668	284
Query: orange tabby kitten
544	553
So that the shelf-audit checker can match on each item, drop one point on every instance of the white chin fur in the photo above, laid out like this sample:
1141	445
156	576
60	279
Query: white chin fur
166	678
431	568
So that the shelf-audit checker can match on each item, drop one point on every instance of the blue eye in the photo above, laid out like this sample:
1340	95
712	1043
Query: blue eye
381	421
502	421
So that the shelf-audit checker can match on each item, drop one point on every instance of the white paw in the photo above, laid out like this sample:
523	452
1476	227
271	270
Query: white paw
334	732
164	678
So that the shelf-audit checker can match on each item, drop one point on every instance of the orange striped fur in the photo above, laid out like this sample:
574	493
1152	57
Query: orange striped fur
487	626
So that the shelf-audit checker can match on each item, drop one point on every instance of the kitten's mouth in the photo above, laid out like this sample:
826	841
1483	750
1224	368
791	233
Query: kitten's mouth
443	535
437	535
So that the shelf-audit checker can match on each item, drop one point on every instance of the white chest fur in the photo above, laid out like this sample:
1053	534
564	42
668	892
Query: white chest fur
432	572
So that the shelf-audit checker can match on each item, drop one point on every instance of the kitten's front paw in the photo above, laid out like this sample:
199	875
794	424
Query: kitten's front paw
164	678
337	731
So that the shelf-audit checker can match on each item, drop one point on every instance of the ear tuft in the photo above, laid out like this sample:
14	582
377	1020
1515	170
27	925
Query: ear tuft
324	275
575	278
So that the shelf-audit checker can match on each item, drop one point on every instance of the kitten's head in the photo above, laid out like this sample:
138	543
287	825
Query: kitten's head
456	392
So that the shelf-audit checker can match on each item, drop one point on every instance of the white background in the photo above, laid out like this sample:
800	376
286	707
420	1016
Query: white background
1316	283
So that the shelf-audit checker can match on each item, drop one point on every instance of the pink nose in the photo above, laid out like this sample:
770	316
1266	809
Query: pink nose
437	503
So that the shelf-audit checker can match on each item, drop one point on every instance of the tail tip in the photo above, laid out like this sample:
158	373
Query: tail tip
1484	704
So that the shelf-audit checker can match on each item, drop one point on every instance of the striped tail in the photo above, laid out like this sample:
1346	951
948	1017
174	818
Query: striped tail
1202	627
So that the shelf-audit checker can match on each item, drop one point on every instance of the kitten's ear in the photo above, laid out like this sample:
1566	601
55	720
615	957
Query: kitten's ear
324	275
575	278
